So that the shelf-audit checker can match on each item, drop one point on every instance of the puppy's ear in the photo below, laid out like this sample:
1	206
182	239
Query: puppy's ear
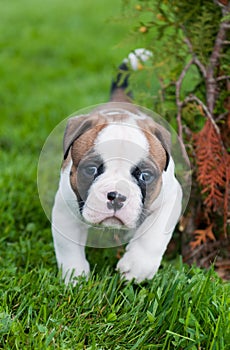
164	137
76	126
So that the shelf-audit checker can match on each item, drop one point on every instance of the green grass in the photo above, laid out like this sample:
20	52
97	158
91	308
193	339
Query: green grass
57	57
180	309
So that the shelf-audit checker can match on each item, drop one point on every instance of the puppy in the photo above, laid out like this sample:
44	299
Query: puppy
117	172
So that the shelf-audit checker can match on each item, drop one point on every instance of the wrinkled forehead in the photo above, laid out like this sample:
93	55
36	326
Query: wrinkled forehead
116	136
120	135
123	142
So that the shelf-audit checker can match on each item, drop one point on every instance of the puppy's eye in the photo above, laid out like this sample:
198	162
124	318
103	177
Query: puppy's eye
146	177
90	171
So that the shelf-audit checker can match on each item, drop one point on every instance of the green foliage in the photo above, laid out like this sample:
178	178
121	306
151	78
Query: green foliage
163	27
165	22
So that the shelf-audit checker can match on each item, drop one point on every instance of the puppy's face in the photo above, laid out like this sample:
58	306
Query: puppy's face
117	164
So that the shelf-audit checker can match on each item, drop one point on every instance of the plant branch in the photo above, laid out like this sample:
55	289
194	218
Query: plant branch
180	106
195	58
179	103
201	67
223	77
211	81
180	80
193	98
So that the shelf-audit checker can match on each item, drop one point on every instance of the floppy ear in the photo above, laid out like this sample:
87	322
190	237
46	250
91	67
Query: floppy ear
164	137
76	126
162	134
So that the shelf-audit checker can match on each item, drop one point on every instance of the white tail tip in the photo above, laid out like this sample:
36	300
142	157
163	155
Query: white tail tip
137	57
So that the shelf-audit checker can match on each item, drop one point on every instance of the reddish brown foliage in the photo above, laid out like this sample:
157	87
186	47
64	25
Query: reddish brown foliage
213	170
201	236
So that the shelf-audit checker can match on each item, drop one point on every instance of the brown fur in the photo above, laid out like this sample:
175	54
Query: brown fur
153	191
119	95
156	150
81	147
160	142
84	128
84	143
158	139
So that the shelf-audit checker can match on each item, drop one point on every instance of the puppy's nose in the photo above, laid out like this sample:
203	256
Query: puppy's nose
115	200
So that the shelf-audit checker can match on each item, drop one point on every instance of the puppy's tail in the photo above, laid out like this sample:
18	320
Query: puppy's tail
121	82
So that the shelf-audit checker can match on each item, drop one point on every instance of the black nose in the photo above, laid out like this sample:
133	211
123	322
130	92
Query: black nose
115	200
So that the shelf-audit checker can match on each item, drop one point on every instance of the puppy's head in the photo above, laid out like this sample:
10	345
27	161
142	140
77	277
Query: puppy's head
117	159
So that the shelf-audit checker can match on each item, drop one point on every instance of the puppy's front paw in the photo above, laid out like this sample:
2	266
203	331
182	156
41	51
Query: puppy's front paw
71	274
138	265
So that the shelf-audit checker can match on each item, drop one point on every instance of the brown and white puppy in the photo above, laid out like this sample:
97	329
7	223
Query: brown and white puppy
117	171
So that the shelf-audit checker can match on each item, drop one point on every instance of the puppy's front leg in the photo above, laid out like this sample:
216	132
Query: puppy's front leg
69	235
144	252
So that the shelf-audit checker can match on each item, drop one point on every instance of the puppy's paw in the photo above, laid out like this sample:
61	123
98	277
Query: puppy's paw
138	265
71	274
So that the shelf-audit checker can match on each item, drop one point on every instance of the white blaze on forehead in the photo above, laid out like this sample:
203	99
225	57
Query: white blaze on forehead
123	142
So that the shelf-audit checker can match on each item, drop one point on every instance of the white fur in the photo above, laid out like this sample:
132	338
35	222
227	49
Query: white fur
69	232
145	250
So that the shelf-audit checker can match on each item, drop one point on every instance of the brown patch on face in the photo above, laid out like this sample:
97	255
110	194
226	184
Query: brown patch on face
159	141
82	153
156	150
78	126
83	176
149	189
85	143
153	191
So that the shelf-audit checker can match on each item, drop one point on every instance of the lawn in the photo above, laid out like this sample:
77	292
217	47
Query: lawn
57	57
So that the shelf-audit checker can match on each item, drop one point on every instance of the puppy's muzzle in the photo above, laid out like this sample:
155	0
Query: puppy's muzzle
115	200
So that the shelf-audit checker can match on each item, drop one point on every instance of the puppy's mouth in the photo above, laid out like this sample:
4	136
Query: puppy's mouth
112	222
